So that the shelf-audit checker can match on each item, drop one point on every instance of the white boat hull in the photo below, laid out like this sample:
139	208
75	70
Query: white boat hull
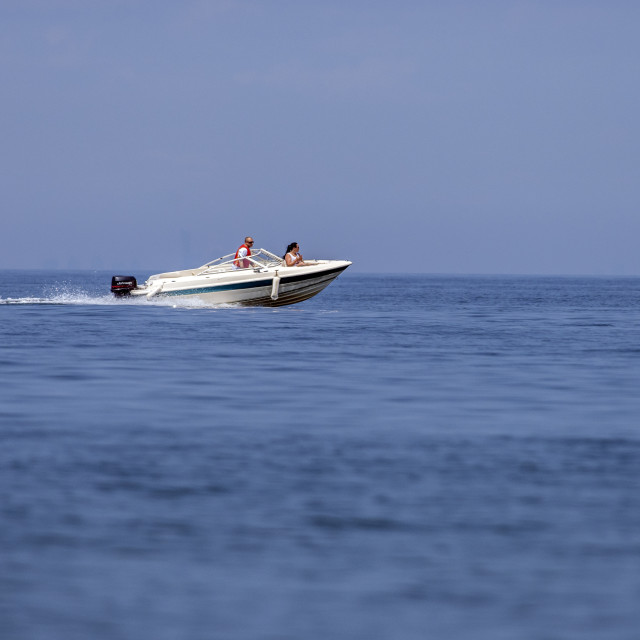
249	287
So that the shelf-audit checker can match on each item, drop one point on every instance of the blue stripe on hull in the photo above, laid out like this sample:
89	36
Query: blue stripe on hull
221	287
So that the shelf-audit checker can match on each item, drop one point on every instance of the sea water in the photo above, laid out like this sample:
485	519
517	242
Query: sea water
401	457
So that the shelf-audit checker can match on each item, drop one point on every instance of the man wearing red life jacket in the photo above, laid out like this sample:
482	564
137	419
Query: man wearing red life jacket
244	250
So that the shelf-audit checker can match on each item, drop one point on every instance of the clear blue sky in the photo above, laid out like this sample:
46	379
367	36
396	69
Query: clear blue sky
438	137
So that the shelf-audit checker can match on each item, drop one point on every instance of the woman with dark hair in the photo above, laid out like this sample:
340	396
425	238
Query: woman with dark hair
292	258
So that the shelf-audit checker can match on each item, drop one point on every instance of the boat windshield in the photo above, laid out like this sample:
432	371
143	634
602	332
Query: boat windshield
260	259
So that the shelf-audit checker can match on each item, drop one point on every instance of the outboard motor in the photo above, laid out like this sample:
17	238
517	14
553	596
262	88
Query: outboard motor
122	285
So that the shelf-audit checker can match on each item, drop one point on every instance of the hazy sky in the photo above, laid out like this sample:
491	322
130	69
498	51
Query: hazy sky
440	137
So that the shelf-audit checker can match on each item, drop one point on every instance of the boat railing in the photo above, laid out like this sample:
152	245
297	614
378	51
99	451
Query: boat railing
260	259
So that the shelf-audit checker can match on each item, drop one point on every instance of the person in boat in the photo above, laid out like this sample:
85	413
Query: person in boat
293	257
244	250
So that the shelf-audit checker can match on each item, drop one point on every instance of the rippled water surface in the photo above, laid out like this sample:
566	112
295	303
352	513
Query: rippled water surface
400	457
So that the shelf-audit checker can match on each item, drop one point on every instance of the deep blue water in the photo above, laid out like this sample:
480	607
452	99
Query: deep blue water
401	457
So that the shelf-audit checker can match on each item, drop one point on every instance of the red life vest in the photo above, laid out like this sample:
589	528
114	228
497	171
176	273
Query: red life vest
242	263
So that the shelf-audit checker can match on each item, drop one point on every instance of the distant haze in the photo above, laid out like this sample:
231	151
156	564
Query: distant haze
438	137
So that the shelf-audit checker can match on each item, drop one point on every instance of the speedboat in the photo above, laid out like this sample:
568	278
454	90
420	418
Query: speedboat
266	282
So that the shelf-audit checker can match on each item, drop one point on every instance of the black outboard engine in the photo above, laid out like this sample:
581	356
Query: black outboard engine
122	285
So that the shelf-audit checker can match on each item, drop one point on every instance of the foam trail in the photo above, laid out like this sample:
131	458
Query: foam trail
69	295
59	300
